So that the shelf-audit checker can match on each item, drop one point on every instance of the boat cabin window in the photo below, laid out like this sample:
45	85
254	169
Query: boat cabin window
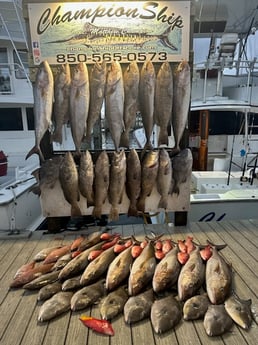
19	70
5	85
30	118
11	119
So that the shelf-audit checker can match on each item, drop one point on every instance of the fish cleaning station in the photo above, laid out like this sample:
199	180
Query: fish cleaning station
140	242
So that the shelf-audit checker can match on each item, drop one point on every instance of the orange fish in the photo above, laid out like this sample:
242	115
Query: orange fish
206	252
189	244
98	325
182	257
57	253
30	275
76	243
181	246
24	268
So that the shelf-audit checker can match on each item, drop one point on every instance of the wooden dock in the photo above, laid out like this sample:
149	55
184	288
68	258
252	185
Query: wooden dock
19	308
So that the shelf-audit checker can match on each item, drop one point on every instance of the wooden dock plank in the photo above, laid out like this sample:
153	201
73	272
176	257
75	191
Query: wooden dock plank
19	326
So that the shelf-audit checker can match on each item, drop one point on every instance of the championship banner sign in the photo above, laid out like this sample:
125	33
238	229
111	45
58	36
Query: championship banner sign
124	31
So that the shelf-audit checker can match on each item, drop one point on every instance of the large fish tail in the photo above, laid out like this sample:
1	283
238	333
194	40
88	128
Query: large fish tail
57	137
36	150
163	136
124	140
163	202
141	204
75	210
114	214
132	210
97	212
175	190
90	201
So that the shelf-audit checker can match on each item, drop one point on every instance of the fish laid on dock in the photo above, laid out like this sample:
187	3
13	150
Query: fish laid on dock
216	320
56	305
113	304
138	307
87	296
218	278
166	313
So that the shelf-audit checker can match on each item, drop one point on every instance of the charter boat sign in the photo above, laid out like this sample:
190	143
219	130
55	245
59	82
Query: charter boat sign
124	31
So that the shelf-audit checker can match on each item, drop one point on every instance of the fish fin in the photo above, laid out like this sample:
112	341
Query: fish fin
132	211
36	150
141	204
163	136
97	212
163	202
147	146
90	202
57	137
124	140
75	210
175	190
114	214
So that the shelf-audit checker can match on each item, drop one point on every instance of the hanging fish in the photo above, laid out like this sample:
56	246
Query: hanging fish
101	183
86	177
61	105
43	103
116	183
114	102
97	94
146	98
79	103
69	181
131	78
133	181
181	100
163	101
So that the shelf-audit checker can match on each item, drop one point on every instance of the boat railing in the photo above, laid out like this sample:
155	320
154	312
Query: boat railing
228	73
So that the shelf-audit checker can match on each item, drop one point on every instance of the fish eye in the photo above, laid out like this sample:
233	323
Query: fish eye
195	306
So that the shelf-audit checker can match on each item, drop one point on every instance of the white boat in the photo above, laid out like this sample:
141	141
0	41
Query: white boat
20	209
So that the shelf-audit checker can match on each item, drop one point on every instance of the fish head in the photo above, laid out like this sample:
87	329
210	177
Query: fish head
218	290
151	159
166	67
239	310
133	68
44	75
99	68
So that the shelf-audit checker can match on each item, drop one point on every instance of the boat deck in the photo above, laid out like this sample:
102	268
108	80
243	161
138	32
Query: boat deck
19	308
